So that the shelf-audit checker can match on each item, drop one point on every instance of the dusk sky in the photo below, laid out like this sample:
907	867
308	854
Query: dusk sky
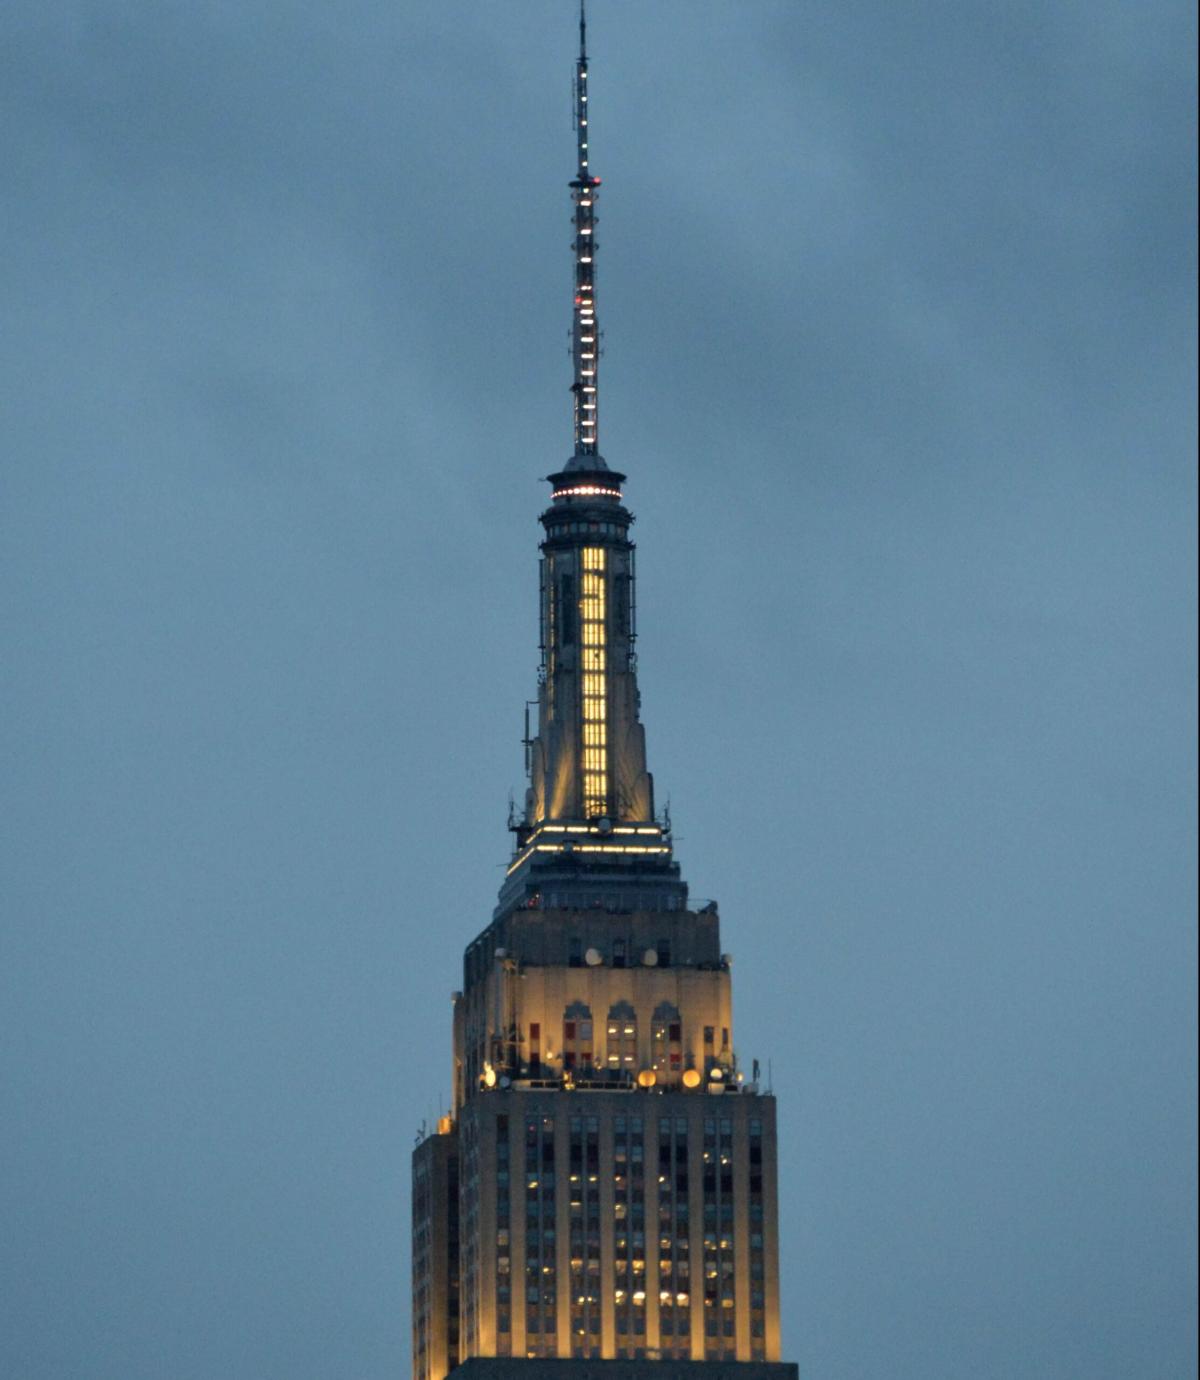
900	313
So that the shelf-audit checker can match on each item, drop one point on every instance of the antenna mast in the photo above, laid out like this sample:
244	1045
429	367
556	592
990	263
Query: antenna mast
585	335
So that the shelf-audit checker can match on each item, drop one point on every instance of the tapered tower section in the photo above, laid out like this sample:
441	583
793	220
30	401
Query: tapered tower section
588	761
602	1201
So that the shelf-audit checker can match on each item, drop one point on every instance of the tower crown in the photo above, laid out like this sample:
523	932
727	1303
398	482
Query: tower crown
590	798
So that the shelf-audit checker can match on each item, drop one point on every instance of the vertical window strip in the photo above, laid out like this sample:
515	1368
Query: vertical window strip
629	1238
540	1238
594	641
719	1264
758	1316
674	1282
584	1184
503	1240
471	1278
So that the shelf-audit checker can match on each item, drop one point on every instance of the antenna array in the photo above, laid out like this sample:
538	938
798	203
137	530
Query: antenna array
585	334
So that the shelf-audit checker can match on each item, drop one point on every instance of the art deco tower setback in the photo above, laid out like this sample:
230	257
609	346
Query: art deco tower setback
602	1199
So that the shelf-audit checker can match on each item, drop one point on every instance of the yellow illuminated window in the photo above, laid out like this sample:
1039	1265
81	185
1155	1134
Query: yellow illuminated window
593	637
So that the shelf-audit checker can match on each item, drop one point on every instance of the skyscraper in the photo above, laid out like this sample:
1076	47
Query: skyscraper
602	1198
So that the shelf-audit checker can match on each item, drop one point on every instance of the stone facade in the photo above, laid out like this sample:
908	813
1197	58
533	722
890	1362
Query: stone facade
493	1369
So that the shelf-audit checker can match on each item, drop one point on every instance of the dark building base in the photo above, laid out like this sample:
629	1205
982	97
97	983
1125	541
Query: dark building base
511	1368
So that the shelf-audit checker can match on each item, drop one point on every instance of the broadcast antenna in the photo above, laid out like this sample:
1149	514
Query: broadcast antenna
585	334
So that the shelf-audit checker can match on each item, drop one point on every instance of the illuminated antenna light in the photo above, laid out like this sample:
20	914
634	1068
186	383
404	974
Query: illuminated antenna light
583	194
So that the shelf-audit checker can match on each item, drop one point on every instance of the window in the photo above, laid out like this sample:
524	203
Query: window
622	1037
666	1039
577	1036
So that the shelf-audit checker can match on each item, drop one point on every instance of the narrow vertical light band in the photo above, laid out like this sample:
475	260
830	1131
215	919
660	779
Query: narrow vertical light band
594	680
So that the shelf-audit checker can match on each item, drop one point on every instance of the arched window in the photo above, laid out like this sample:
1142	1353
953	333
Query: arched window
577	1036
622	1037
666	1039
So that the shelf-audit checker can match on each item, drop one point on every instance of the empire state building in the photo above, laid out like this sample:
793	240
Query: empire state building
602	1200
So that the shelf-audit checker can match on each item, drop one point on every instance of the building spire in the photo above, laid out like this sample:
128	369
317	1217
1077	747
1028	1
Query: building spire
585	334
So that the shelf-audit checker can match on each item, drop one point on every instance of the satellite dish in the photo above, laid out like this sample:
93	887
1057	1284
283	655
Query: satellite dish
650	958
604	825
593	958
505	1081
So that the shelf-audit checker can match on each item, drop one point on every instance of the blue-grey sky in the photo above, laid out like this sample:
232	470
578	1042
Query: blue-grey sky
901	340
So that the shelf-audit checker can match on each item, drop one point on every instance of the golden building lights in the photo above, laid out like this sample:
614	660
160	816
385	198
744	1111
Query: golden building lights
594	691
